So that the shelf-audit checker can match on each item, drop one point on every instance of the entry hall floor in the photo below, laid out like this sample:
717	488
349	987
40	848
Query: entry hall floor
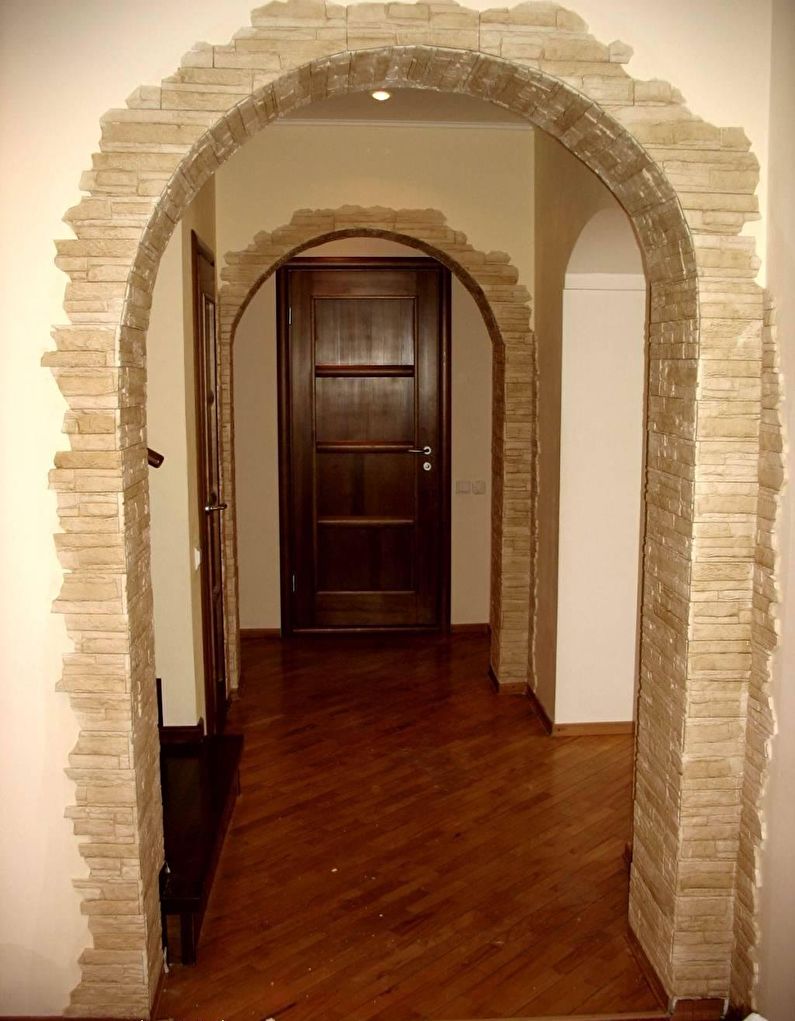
407	844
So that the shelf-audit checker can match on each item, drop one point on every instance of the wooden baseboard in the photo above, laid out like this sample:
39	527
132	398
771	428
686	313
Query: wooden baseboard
632	1015
251	634
592	729
178	735
697	1010
470	629
511	688
539	710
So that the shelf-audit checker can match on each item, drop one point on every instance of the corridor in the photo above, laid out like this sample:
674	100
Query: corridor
409	845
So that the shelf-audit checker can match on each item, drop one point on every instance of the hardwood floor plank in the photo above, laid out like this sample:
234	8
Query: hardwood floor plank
409	845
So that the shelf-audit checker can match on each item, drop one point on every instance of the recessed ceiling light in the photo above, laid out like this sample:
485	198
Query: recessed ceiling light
381	95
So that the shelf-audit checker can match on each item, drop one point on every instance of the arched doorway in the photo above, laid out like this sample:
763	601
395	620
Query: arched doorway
177	138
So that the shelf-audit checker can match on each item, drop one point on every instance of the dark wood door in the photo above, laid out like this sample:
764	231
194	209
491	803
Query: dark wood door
364	398
209	485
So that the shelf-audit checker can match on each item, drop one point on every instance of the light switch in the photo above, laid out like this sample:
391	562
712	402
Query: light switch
197	558
479	487
463	486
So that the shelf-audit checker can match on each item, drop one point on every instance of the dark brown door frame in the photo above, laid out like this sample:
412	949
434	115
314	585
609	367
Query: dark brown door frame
363	263
203	287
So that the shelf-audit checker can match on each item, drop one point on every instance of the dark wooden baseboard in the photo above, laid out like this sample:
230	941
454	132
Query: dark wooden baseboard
252	634
592	729
511	688
539	710
698	1010
178	735
470	629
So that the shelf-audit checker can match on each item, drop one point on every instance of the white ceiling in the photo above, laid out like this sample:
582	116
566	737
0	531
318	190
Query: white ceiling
409	105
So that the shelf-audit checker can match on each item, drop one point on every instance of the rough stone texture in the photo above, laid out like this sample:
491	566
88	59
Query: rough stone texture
689	188
760	719
505	305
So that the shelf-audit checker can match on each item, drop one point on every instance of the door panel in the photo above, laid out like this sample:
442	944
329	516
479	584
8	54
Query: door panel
364	367
209	480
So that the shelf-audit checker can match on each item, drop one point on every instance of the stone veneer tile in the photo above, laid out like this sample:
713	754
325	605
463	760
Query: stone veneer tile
714	466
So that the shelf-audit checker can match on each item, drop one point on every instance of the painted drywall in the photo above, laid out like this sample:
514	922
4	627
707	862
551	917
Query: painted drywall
601	462
401	167
777	922
256	450
82	58
171	425
567	197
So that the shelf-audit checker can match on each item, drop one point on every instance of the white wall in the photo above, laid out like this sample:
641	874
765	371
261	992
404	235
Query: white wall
567	197
256	449
601	461
776	972
61	66
173	488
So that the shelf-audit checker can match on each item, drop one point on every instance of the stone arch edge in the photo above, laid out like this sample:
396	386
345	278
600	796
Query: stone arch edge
504	303
99	365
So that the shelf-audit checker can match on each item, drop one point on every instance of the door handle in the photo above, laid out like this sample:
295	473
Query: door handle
419	450
210	508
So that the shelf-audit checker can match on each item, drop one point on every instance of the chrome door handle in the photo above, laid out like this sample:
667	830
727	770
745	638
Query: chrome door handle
209	508
420	450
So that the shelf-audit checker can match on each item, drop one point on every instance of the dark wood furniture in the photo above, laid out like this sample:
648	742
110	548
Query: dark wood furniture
200	782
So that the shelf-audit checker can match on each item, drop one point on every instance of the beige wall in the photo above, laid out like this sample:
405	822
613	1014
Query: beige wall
171	421
256	450
777	974
600	497
567	196
489	197
257	462
94	54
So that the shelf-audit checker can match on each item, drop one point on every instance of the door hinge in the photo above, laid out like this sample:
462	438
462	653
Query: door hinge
292	583
289	317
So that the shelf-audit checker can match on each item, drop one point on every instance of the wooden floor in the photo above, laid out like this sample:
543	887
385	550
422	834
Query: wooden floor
407	844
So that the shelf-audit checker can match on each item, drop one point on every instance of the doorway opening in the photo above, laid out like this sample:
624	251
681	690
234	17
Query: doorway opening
364	431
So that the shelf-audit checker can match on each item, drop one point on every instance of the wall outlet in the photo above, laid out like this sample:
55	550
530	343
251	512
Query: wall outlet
463	486
479	486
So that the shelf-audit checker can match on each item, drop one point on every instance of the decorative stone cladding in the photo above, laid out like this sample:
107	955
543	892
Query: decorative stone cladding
760	719
688	188
505	305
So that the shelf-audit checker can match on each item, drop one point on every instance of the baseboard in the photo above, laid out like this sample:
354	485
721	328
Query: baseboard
251	634
698	1010
470	629
632	1015
539	710
178	735
511	688
592	729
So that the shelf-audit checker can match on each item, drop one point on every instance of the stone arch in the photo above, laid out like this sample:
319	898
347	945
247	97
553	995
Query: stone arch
505	305
688	188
